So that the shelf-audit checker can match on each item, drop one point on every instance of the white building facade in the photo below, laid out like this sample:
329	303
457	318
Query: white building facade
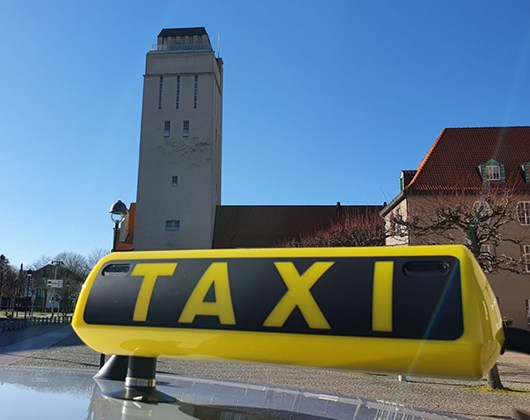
179	175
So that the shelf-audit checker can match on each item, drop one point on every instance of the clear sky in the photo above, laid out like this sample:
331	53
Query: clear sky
324	101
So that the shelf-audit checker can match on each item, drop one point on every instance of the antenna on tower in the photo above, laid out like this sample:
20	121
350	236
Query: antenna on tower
218	44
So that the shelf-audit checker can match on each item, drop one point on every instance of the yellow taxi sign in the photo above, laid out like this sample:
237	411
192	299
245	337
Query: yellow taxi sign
416	310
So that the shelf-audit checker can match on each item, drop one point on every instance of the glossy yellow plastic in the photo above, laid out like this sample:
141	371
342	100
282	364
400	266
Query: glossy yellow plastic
471	355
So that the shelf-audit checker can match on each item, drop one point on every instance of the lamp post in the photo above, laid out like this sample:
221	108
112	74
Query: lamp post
118	211
29	274
56	263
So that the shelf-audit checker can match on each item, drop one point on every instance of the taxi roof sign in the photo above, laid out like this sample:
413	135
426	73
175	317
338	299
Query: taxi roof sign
391	309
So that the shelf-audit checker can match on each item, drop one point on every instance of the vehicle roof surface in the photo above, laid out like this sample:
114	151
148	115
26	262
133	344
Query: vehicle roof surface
69	394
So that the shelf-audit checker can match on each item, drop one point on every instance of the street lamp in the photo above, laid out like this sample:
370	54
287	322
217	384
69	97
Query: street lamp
118	211
29	274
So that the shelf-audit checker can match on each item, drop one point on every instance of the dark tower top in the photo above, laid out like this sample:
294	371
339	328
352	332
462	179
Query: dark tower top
183	39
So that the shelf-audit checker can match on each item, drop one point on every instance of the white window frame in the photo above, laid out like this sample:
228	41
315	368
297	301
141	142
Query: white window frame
167	128
526	258
488	249
523	212
493	172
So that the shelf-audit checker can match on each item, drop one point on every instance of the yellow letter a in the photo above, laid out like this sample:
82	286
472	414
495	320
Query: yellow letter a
216	274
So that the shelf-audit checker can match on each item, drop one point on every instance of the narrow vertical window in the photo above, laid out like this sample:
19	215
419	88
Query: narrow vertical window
178	92
195	90
174	181
167	128
185	128
161	85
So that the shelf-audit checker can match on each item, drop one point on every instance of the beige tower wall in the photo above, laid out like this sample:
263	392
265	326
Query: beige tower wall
195	159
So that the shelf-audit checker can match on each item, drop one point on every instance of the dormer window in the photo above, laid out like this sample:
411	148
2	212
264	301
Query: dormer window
526	171
492	171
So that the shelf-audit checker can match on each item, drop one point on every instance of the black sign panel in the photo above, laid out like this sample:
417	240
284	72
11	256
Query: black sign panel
426	301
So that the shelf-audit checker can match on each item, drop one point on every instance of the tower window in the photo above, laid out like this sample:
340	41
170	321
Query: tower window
173	225
195	90
174	181
185	128
161	85
178	92
167	128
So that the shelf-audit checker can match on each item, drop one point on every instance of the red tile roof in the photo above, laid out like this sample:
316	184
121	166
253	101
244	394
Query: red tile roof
453	160
268	226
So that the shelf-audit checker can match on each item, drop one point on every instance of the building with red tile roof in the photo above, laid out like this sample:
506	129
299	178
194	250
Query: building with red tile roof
467	165
454	159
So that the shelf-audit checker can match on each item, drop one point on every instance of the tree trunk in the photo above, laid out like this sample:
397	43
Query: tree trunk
494	379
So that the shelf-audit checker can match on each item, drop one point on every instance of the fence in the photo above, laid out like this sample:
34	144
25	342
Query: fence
17	324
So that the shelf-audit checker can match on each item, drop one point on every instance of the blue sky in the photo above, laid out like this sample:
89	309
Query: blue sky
324	101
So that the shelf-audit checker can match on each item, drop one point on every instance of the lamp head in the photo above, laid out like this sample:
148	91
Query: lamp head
118	211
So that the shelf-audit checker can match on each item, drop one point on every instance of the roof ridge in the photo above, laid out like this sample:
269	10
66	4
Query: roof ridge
486	127
298	205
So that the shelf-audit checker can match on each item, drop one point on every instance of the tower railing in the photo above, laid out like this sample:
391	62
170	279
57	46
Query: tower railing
180	47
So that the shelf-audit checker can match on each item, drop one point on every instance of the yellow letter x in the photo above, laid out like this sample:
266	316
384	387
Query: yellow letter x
298	294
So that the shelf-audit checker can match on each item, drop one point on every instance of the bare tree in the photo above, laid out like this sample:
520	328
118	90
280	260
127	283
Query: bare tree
75	263
349	230
4	266
457	217
7	281
96	255
73	271
479	221
42	261
12	285
70	267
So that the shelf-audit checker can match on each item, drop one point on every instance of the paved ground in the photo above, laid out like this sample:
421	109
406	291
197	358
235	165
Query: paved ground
467	399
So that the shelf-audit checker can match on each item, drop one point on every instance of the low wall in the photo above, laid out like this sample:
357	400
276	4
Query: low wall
17	324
